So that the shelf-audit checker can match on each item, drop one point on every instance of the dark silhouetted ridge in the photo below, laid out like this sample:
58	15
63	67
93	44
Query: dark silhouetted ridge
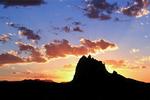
91	82
89	69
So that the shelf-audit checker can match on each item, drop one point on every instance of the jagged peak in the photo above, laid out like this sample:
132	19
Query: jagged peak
89	68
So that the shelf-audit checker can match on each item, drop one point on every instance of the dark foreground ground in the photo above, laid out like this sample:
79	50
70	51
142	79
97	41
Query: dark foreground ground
91	82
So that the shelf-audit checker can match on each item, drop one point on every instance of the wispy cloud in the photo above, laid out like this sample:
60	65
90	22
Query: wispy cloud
134	50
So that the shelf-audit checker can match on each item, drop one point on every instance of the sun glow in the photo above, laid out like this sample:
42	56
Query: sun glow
109	68
66	73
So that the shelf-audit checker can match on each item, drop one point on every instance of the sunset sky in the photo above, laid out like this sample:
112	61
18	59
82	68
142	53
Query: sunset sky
44	39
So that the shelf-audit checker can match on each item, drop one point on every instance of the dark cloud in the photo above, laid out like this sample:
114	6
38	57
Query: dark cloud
68	29
4	38
7	58
35	55
143	67
138	8
28	33
8	3
77	29
24	31
75	26
63	47
103	10
100	9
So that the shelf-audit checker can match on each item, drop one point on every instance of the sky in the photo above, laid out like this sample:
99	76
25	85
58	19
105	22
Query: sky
44	39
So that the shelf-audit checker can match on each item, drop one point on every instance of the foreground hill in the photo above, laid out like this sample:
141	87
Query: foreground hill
91	82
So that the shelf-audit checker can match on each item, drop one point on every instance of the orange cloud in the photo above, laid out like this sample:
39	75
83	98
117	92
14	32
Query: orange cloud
4	38
7	58
69	67
28	53
115	63
35	55
97	45
125	64
62	48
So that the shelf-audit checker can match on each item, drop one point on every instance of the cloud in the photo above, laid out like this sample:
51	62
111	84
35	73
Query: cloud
115	63
68	29
138	8
29	74
28	53
8	58
35	55
134	50
62	48
98	44
145	59
77	29
24	31
69	67
4	38
125	64
24	3
75	26
31	54
103	9
99	9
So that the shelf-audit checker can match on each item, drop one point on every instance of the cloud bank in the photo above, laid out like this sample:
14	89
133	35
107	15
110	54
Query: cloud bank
62	48
28	53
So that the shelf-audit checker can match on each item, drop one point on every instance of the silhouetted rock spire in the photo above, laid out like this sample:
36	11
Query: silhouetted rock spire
89	69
